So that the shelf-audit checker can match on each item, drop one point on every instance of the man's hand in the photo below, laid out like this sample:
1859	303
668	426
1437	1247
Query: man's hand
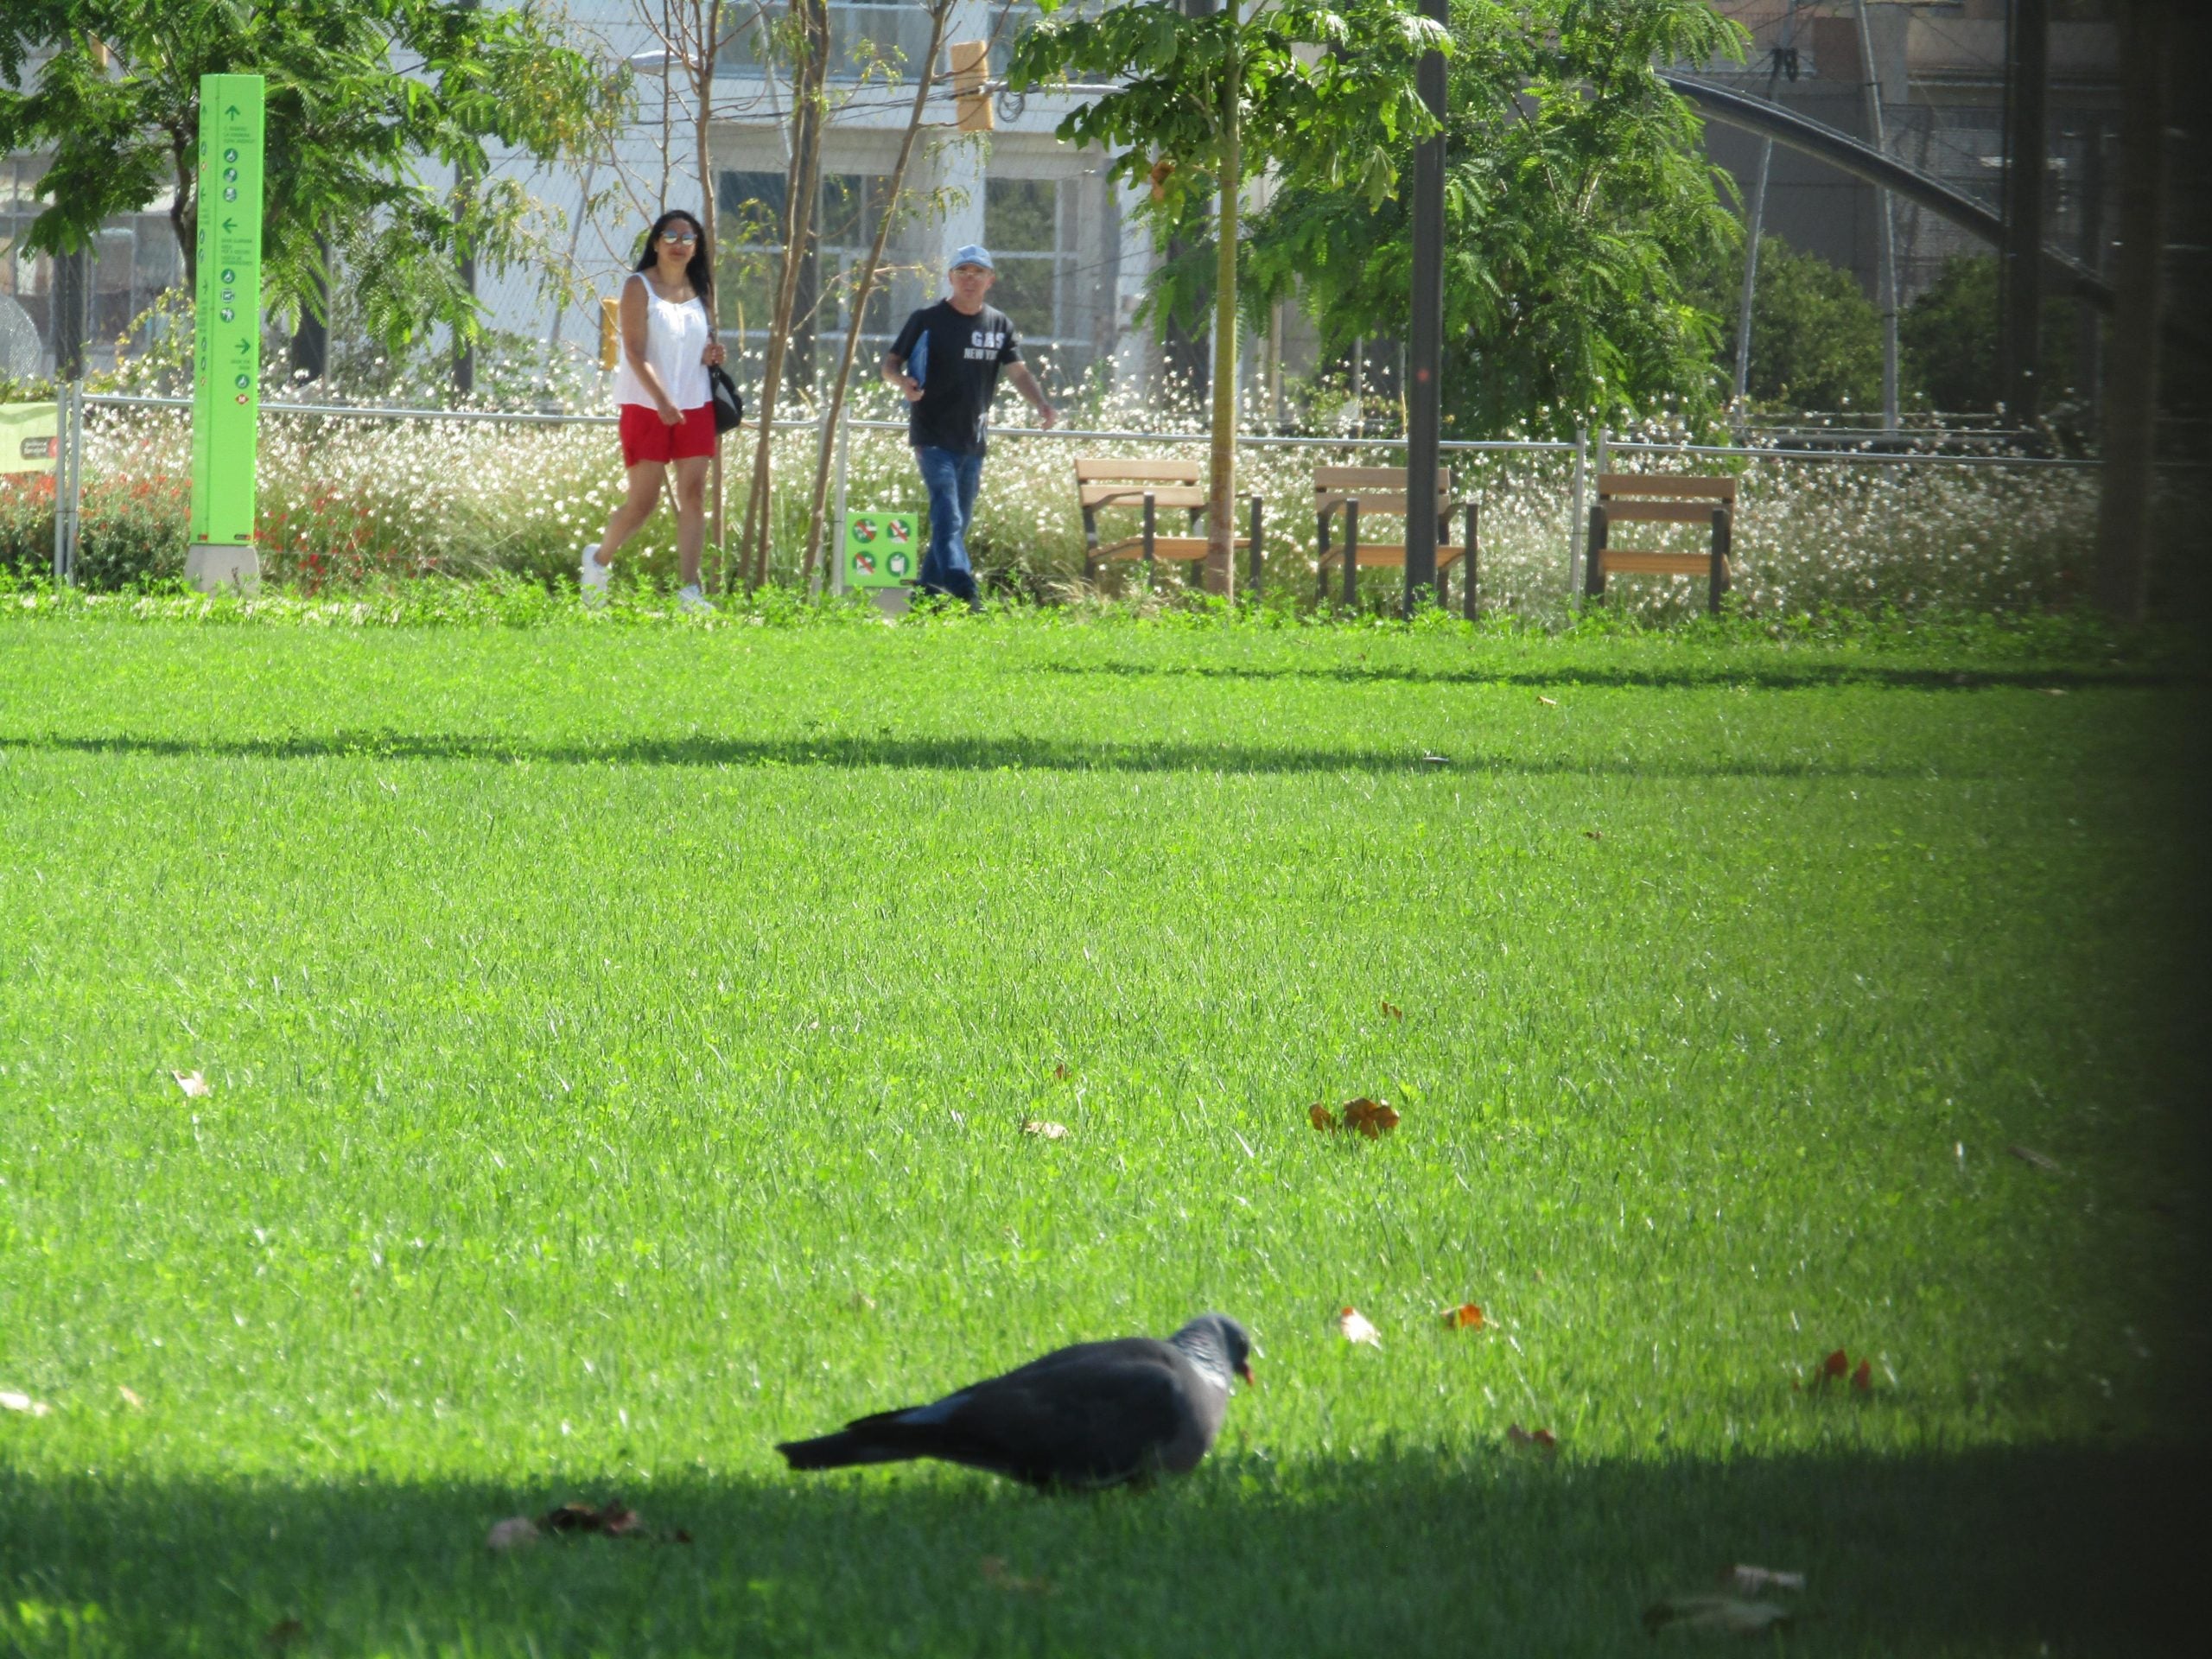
912	387
1047	416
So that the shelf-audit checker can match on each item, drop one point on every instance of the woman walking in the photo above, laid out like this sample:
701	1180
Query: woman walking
664	400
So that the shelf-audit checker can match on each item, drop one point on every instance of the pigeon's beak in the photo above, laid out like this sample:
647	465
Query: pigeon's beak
1245	1370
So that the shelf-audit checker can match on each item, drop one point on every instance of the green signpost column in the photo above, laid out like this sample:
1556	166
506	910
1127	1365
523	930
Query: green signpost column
226	359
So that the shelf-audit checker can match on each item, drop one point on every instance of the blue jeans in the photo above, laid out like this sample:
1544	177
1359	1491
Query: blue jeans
950	477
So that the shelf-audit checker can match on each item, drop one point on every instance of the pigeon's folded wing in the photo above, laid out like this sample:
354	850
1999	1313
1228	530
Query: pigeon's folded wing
1081	1424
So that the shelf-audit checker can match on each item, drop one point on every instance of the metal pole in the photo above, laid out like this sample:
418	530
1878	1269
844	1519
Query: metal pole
1885	252
69	400
2027	175
1751	234
1575	553
1425	353
837	519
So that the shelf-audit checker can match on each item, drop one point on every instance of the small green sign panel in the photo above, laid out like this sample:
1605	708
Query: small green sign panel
30	437
226	311
882	550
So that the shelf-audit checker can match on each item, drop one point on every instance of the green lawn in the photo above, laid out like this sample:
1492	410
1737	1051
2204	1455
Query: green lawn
620	1037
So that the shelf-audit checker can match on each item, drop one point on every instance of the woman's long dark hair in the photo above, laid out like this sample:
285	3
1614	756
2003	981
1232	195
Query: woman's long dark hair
701	271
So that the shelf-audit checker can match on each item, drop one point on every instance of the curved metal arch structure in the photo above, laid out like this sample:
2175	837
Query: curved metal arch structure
1840	150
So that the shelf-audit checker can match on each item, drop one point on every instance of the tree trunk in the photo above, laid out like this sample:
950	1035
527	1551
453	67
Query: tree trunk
2131	398
708	46
940	13
803	183
1221	491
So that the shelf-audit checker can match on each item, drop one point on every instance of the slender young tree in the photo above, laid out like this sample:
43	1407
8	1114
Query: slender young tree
1318	93
940	13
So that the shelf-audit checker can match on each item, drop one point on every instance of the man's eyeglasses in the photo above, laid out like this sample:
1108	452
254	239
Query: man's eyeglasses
685	237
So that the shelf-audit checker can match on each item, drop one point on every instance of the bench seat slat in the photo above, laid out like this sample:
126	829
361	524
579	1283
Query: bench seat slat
1391	554
1163	547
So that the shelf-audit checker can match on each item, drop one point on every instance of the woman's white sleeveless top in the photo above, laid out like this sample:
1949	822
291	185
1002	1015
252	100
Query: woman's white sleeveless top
676	333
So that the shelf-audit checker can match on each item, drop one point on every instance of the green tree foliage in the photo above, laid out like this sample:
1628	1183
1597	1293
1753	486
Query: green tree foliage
1576	193
361	95
1816	338
1322	94
1947	338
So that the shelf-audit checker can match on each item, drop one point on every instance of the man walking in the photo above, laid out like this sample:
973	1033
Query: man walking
954	350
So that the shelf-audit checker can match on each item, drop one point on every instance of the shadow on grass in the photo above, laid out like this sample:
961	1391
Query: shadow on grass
1766	671
2064	1550
977	753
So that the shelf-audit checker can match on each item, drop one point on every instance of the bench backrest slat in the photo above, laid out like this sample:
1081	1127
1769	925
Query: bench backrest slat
1132	494
1112	469
1377	489
1664	487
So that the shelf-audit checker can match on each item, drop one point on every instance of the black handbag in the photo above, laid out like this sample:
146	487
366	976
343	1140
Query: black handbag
729	405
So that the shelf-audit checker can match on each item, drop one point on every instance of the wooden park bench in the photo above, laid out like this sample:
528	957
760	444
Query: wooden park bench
1656	498
1106	482
1360	494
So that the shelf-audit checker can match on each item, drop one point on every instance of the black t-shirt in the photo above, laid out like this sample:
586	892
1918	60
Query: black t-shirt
961	372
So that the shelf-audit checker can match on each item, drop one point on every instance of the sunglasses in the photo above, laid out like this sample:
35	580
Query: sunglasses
679	235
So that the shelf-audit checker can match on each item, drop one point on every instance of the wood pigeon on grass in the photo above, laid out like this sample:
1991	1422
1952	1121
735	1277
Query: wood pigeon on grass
1095	1415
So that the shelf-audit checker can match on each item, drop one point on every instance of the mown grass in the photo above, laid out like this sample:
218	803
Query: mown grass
620	1037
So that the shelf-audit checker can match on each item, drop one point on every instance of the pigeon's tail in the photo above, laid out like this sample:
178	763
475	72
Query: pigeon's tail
881	1438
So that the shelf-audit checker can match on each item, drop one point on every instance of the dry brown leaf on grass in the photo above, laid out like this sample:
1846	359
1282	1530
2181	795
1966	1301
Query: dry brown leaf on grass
1321	1117
192	1083
1060	1072
11	1401
1372	1118
1465	1317
614	1518
1393	1010
1541	1439
1751	1580
2042	1160
1862	1380
1594	835
1357	1328
131	1399
1730	1615
1043	1130
1549	703
996	1572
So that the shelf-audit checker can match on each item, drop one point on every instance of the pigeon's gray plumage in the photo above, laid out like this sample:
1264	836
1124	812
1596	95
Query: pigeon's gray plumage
1095	1415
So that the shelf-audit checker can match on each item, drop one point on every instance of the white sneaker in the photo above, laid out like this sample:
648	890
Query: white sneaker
592	576
690	599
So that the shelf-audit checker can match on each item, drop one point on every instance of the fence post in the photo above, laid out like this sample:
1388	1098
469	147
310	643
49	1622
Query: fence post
835	527
1577	555
69	449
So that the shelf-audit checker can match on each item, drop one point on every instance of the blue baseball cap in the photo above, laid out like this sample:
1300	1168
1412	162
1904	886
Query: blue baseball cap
975	253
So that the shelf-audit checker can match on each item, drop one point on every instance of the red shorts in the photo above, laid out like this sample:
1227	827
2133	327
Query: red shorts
645	436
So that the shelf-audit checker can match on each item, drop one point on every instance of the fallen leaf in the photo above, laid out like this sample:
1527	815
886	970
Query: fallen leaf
131	1399
1543	1438
1322	1118
284	1633
1549	703
1060	1073
614	1518
1594	835
516	1532
1465	1317
862	1302
1749	1581
1372	1118
1393	1011
1038	1126
1357	1328
1835	1364
1863	1378
2042	1160
995	1570
10	1400
1428	759
2054	690
1731	1615
192	1083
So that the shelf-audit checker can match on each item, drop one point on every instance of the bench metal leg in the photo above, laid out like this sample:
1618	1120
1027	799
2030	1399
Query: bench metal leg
1594	576
1471	598
1717	586
1321	562
1151	532
1252	576
1352	556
